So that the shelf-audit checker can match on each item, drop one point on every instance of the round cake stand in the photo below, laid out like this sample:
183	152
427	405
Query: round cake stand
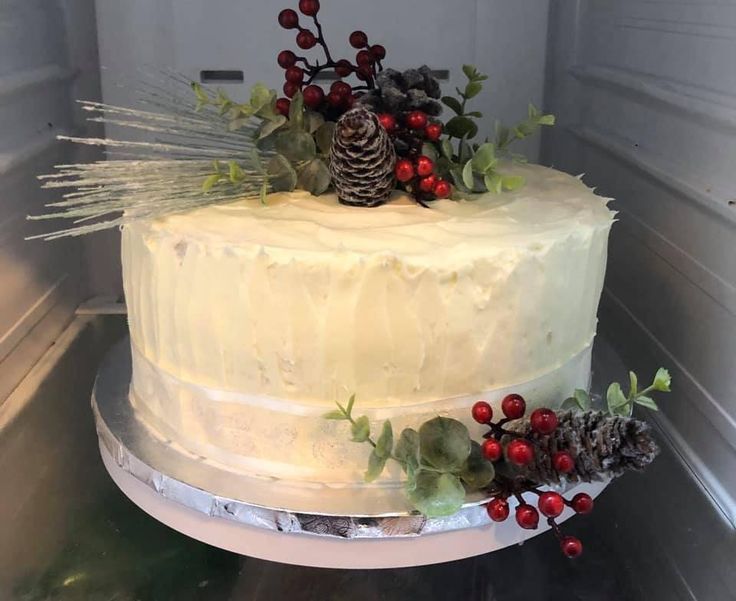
159	478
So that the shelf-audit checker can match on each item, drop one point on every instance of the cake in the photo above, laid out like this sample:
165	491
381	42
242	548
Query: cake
248	322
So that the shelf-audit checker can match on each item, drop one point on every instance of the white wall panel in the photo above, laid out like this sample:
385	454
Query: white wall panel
39	75
645	92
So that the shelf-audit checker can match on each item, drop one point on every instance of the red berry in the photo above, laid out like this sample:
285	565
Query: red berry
350	100
286	59
582	503
378	52
426	184
482	412
343	68
364	72
527	517
305	40
433	131
358	39
288	19
513	406
387	121
295	74
520	452
335	99
364	58
498	509
291	88
341	88
551	504
416	120
282	106
313	96
543	421
563	462
492	449
571	546
442	189
309	7
425	166
404	170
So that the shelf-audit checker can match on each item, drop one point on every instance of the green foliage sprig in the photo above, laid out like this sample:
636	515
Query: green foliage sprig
622	404
299	145
440	460
474	167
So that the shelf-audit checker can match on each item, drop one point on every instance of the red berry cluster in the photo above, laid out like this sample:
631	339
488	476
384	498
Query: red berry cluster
299	72
417	172
521	451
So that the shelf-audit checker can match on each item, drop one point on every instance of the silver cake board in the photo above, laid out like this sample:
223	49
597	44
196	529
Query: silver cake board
319	527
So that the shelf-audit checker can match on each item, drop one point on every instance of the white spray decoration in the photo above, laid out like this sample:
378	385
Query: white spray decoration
149	179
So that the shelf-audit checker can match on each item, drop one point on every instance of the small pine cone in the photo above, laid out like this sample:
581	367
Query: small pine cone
601	445
362	160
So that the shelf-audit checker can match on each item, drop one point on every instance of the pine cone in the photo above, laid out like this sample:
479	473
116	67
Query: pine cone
601	445
397	93
362	160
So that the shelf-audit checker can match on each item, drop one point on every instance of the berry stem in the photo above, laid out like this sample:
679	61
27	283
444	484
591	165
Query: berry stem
321	40
555	528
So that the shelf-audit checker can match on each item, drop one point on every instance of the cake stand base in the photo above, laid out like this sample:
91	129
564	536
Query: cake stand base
259	519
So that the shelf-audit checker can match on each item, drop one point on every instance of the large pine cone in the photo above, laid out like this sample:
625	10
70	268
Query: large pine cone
602	446
362	160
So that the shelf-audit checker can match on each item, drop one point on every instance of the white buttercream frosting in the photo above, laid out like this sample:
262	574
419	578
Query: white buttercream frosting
310	300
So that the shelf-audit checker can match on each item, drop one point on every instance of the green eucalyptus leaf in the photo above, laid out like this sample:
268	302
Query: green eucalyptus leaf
270	127
407	447
296	111
582	398
460	127
570	404
260	96
548	120
457	177
484	158
314	177
512	182
446	148
239	123
313	121
361	429
435	494
453	103
465	152
255	161
618	404
385	442
444	443
477	472
324	135
263	191
468	177
493	182
349	408
662	380
430	151
335	414
295	145
470	71
647	402
473	89
376	463
476	114
633	385
210	182
281	174
200	93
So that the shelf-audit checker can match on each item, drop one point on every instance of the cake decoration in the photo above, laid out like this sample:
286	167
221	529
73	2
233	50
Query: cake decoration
362	160
518	455
211	149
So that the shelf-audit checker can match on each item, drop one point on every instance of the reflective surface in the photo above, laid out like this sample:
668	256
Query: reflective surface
650	537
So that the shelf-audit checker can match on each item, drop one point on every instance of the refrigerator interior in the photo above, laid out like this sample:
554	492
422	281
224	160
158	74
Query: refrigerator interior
645	98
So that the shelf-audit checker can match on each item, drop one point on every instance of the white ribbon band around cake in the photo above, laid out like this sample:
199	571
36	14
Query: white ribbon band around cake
286	440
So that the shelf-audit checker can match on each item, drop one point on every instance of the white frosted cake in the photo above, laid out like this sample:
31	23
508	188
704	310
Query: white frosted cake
248	322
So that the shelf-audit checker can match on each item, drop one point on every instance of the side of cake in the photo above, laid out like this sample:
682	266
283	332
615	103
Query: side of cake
248	322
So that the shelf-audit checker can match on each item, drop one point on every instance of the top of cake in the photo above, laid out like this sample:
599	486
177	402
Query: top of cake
550	205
